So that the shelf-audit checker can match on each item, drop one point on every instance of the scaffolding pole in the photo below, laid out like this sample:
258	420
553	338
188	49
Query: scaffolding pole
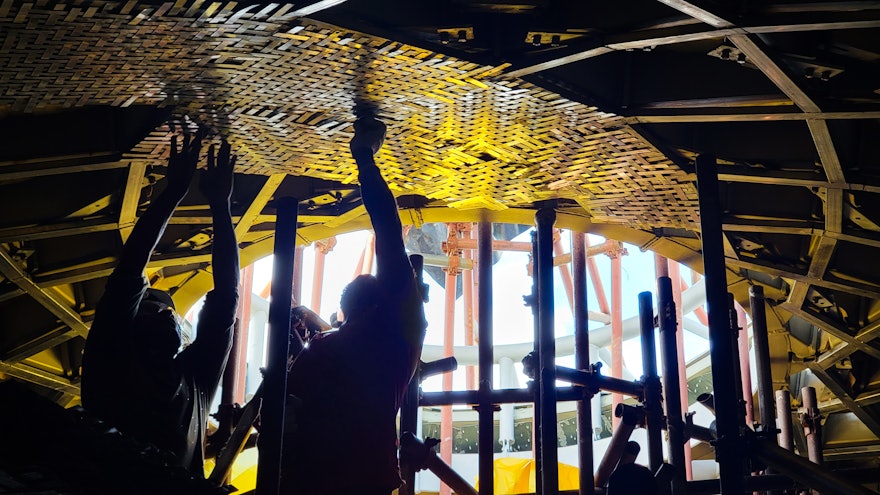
727	448
272	415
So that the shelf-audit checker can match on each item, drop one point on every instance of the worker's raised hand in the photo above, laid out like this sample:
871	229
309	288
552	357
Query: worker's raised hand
216	180
369	134
182	163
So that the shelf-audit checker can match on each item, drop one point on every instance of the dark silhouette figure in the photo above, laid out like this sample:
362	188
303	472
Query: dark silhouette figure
348	385
135	377
630	478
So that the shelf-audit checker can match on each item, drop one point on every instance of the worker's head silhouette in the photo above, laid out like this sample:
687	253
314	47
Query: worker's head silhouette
157	328
361	296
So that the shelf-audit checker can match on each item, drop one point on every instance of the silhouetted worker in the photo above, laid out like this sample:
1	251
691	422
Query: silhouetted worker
351	382
630	478
135	377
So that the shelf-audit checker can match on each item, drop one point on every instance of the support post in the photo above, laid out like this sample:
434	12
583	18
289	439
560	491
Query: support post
409	409
616	328
486	408
582	360
275	381
811	421
785	438
727	449
675	275
536	386
544	219
653	412
745	366
671	388
766	403
733	319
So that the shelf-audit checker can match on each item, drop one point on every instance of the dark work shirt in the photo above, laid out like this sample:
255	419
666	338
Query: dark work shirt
351	384
631	479
162	405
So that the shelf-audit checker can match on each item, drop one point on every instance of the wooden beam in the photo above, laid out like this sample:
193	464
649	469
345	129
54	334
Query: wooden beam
827	153
749	117
772	177
47	298
59	165
765	64
837	405
833	384
77	227
46	341
256	207
858	289
832	328
685	33
697	12
130	198
39	377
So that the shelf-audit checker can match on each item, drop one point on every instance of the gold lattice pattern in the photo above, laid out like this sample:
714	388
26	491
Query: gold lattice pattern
282	89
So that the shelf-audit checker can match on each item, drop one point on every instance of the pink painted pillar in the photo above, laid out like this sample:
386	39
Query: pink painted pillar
675	274
745	365
616	330
448	343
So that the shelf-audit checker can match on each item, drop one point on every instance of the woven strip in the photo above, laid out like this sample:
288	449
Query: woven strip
282	90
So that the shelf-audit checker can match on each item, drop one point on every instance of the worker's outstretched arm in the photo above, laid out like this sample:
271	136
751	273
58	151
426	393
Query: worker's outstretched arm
150	227
393	268
208	354
216	184
392	263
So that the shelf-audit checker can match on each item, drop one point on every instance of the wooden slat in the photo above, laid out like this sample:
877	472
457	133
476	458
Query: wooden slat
47	298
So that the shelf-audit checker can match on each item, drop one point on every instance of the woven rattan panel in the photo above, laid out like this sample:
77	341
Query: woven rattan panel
282	89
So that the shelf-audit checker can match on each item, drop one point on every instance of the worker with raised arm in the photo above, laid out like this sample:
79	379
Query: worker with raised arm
135	375
347	387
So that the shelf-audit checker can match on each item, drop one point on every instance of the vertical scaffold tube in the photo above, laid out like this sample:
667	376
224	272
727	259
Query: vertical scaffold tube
485	421
785	438
544	220
671	386
766	403
721	352
582	359
811	421
272	412
733	319
536	410
653	412
409	410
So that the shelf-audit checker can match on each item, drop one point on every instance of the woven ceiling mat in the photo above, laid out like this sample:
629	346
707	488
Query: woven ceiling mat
282	89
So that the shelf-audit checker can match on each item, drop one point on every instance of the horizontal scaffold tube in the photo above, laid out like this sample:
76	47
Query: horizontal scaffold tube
595	381
467	355
503	396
